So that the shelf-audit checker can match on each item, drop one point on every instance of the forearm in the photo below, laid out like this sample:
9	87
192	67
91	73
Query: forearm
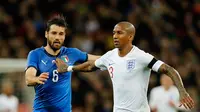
93	57
30	76
85	67
176	78
31	80
174	75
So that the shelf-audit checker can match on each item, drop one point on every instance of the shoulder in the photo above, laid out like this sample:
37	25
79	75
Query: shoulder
139	51
142	56
36	51
69	50
110	52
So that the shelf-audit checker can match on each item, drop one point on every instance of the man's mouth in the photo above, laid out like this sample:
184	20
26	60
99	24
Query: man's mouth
56	43
116	42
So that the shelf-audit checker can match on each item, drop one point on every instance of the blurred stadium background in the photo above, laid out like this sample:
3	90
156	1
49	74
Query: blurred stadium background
168	29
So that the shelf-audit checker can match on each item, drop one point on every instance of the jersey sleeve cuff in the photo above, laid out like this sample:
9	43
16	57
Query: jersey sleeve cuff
157	65
29	67
96	63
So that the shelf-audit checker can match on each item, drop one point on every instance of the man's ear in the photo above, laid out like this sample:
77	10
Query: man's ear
131	37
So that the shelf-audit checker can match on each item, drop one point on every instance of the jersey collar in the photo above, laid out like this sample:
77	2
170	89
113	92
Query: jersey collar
51	54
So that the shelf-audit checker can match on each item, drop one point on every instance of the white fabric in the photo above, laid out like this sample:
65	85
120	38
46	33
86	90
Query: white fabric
69	69
8	104
159	99
157	65
130	78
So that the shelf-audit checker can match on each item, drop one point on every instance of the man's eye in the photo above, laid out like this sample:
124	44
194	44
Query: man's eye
61	34
119	32
53	32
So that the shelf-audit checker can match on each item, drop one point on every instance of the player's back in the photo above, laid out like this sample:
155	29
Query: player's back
55	94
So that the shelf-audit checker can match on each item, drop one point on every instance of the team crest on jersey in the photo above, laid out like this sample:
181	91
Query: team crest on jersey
65	58
130	64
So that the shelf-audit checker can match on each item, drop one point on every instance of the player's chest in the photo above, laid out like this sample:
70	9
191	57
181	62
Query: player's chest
47	63
122	68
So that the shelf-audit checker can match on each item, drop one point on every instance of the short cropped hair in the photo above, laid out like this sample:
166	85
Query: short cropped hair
58	20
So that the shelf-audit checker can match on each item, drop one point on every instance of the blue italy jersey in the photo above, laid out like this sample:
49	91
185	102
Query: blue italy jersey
55	94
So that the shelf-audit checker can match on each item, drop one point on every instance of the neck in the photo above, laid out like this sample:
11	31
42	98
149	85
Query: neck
166	88
124	51
51	51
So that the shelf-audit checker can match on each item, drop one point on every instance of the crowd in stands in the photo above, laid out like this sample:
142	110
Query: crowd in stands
168	29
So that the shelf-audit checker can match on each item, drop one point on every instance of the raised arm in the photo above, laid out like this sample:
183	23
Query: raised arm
185	99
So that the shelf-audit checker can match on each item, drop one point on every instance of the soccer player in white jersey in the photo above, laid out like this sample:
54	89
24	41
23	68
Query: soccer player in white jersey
129	68
165	98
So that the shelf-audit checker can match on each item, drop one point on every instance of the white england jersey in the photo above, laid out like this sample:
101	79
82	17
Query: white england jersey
130	78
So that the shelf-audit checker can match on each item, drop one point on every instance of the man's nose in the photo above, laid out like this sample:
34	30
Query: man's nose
114	36
57	36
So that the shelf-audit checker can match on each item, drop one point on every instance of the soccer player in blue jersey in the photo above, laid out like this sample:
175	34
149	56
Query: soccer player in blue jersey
53	89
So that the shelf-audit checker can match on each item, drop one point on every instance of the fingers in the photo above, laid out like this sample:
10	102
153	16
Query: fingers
190	102
61	65
58	60
59	71
44	75
42	78
187	102
183	102
185	105
40	82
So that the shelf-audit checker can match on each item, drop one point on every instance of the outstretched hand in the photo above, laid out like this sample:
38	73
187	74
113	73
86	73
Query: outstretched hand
186	100
62	66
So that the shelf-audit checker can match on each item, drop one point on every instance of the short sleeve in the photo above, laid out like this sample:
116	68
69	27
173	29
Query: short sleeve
145	58
32	60
149	61
81	56
102	62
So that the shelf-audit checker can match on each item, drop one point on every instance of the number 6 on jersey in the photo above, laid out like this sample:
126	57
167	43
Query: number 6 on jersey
55	76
